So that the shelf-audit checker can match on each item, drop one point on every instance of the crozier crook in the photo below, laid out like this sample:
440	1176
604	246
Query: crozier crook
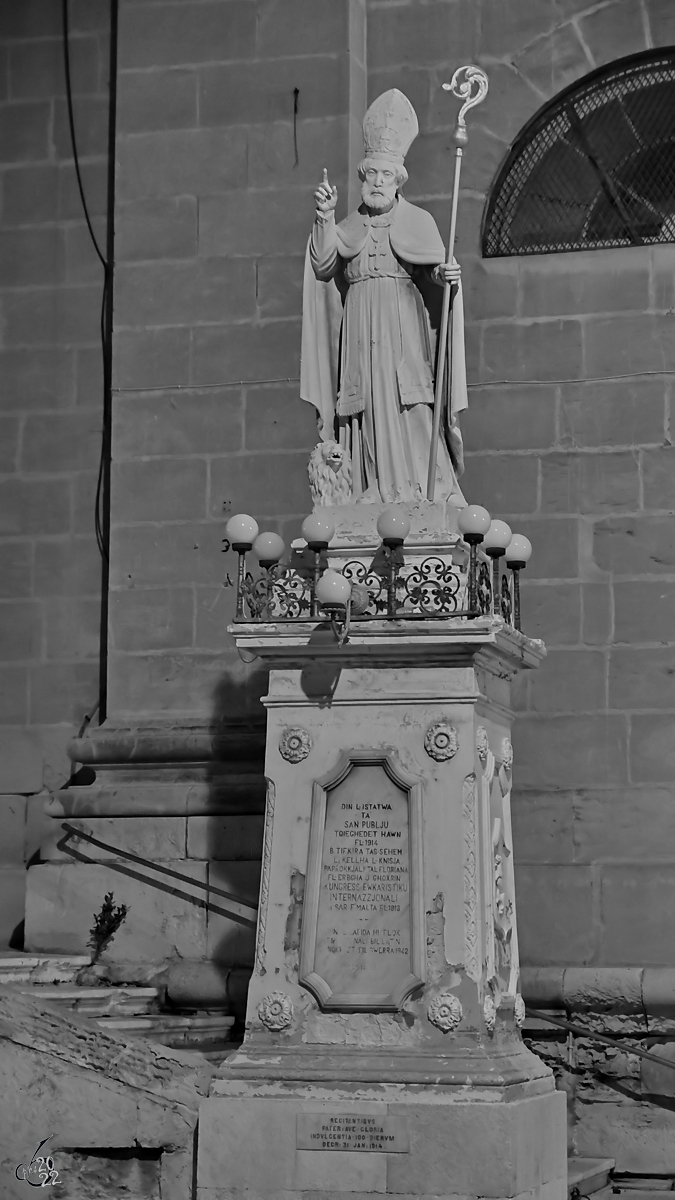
469	84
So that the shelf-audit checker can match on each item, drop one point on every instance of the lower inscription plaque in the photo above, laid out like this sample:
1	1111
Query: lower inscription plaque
361	935
344	1131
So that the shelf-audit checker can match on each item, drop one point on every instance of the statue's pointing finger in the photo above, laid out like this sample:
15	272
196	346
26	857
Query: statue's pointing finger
325	195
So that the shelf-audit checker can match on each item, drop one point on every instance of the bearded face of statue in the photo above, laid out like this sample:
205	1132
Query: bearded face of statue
380	182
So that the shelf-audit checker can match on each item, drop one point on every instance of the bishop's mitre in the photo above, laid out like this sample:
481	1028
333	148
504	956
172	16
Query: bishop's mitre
390	127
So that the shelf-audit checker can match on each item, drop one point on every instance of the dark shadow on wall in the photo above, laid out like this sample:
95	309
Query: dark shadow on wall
235	825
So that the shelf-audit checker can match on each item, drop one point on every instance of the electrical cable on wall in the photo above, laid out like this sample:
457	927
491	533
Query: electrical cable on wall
107	267
202	387
102	502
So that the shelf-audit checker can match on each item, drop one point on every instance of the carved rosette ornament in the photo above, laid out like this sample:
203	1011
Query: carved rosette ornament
441	741
275	1011
519	1011
507	754
482	744
295	744
445	1012
489	1013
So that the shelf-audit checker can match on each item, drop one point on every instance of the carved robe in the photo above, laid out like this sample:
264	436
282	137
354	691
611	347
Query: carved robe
378	383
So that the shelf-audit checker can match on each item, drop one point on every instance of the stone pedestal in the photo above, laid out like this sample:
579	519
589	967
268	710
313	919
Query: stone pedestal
382	1052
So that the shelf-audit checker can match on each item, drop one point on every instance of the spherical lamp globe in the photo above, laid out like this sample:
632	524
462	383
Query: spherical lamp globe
393	525
518	552
269	548
242	531
318	531
497	539
333	590
473	523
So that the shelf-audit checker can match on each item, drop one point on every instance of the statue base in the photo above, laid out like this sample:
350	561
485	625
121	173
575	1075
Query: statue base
382	1051
293	1141
433	562
432	523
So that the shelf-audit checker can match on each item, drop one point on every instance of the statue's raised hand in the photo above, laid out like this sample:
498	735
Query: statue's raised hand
325	195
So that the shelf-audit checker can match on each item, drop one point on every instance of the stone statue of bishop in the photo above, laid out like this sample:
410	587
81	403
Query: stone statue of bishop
371	308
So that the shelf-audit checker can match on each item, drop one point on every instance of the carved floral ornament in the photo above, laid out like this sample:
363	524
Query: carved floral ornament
295	744
441	741
275	1011
507	754
519	1010
445	1012
489	1013
482	744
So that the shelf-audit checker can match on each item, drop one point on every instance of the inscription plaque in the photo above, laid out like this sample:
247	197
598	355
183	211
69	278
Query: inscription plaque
363	932
347	1131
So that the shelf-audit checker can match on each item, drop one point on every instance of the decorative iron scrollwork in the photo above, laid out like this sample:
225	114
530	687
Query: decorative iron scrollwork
432	587
484	589
374	583
278	592
507	606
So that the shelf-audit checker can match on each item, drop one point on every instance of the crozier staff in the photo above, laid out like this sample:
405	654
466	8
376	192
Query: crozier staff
388	262
470	84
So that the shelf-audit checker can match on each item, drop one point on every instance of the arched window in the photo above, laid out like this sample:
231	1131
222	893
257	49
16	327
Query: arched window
594	168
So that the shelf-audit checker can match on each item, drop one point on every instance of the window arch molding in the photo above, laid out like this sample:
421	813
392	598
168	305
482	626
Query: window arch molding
594	168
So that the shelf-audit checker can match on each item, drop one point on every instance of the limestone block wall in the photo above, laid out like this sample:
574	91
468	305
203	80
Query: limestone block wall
227	112
593	816
50	408
227	108
571	361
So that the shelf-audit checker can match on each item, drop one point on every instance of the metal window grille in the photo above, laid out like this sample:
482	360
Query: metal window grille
594	168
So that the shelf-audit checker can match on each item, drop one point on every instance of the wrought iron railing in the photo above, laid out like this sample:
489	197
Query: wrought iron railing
389	588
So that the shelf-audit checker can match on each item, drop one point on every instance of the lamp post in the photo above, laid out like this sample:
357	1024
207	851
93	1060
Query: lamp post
393	526
333	593
495	542
242	531
268	547
317	531
473	523
518	554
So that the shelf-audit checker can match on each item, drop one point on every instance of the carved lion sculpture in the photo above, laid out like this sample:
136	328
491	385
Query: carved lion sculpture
330	474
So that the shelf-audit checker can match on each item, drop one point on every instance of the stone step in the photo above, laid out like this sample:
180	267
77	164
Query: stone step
243	792
584	1174
117	1001
125	1010
634	1185
208	1033
172	744
647	1192
588	1176
16	967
